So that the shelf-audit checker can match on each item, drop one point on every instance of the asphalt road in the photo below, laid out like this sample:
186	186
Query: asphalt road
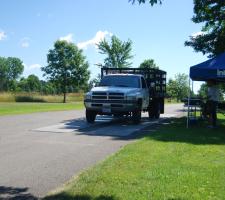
41	151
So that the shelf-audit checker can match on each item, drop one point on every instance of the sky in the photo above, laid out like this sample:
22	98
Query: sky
29	28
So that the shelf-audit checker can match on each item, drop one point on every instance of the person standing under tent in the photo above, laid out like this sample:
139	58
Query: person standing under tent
213	98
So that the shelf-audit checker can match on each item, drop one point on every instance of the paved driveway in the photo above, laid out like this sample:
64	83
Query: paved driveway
39	152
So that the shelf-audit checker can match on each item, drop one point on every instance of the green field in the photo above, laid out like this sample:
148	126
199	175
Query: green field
169	163
22	103
23	108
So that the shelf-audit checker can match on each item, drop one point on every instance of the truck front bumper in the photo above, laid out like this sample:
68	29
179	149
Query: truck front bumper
111	106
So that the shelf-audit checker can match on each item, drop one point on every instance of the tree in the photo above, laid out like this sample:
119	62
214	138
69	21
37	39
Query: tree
203	91
171	89
118	53
149	64
178	88
10	70
33	83
48	87
211	40
94	82
3	73
66	66
22	85
29	84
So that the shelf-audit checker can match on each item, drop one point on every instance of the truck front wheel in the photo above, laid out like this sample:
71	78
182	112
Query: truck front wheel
136	116
90	116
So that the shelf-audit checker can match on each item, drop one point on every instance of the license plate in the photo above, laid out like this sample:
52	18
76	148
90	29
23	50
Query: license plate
106	110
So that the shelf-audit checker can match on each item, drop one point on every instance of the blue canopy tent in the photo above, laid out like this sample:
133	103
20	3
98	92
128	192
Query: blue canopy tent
212	69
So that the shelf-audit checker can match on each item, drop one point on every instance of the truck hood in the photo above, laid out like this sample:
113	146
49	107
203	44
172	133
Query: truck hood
124	90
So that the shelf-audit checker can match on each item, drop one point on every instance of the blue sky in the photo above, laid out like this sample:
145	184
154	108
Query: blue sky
29	28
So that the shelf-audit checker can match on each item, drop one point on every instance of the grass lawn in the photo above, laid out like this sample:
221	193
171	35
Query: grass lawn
170	163
23	108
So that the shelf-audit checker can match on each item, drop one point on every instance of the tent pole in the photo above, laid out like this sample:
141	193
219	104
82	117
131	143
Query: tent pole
189	96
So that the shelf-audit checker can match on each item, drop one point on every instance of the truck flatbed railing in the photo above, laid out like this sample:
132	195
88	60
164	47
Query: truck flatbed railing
155	78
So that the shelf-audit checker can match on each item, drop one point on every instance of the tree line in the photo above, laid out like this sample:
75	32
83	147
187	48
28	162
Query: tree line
11	70
67	70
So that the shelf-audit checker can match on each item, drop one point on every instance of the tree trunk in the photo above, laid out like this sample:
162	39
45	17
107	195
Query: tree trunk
64	91
64	97
65	87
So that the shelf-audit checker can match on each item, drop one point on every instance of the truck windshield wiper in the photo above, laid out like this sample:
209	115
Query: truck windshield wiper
121	85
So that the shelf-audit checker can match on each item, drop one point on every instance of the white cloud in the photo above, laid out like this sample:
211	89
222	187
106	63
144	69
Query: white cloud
195	35
100	35
32	66
2	35
25	42
68	38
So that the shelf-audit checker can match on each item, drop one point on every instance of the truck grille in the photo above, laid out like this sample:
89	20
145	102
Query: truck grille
107	96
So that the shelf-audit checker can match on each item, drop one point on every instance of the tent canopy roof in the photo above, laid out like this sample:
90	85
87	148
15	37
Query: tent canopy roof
212	69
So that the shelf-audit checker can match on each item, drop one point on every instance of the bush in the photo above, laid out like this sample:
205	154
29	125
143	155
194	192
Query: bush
29	99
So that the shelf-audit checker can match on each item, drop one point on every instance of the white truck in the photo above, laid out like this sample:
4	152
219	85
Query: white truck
127	91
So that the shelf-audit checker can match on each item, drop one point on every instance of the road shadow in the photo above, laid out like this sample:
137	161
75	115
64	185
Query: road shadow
117	128
81	124
65	196
15	193
198	134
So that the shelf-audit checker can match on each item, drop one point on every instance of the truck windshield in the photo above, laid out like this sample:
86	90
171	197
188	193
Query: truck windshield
121	81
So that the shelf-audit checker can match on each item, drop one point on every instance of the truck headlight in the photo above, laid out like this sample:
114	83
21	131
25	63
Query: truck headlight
131	98
87	96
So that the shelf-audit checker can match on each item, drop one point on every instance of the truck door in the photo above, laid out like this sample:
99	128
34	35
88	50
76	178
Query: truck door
145	93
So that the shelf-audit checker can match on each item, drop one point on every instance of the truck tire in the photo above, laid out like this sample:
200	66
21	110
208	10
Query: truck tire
90	116
157	111
150	114
136	116
118	115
